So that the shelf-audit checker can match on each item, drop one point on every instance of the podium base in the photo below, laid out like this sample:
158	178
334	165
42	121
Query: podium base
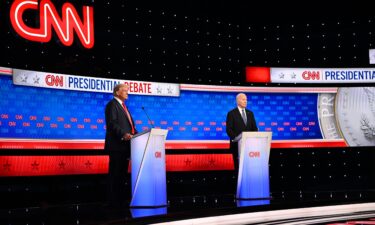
147	206
262	198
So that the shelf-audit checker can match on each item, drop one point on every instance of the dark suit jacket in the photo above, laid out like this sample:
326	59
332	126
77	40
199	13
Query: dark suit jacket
117	126
236	125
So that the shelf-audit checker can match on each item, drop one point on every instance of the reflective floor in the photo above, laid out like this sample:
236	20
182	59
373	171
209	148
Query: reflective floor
179	208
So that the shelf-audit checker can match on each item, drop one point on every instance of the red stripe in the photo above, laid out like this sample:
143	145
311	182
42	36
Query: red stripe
308	144
199	162
336	224
37	145
72	165
68	165
9	72
359	222
258	74
203	145
52	165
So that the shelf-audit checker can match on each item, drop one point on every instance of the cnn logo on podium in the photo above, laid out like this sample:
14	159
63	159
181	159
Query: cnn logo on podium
254	154
158	154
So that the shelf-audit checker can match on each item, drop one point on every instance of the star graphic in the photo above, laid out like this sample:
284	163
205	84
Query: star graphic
293	76
169	90
88	164
35	165
211	162
62	165
36	79
158	89
7	166
187	162
23	78
281	76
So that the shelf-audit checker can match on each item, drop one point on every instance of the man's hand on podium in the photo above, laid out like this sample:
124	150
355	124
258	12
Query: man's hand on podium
127	137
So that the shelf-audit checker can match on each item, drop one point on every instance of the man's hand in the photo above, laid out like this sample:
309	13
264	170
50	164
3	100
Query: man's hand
128	136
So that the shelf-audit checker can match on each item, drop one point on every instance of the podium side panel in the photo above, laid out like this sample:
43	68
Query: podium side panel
159	170
138	146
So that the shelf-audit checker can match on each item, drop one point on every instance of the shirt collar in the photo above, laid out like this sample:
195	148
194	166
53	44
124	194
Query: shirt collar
119	100
240	109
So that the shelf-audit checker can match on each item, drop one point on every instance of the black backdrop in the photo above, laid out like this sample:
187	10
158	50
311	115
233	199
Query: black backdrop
208	42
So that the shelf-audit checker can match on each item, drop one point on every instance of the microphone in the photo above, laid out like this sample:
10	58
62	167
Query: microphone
152	125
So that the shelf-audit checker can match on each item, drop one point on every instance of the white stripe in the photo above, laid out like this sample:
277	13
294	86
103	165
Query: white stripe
275	215
216	88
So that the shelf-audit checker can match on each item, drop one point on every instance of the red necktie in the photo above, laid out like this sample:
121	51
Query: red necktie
129	118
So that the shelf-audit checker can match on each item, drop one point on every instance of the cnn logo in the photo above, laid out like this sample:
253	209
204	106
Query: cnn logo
52	80
50	19
311	75
157	154
254	154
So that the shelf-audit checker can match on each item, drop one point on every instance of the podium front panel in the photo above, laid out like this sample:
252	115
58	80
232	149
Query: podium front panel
253	177
148	170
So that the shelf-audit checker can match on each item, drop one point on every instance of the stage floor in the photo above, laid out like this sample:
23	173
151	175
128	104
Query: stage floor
206	209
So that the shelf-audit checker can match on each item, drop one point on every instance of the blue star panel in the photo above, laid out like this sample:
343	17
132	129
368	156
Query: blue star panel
40	113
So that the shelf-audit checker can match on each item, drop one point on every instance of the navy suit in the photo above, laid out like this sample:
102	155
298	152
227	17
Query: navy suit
118	125
235	126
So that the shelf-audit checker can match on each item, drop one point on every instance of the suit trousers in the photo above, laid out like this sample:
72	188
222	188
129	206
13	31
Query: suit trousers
118	178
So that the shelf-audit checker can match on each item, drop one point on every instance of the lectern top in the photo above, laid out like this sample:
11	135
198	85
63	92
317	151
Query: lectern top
141	133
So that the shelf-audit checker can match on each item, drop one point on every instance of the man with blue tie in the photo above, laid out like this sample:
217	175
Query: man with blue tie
120	128
238	120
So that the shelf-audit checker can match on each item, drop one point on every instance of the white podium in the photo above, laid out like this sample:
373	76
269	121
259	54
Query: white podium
253	174
148	174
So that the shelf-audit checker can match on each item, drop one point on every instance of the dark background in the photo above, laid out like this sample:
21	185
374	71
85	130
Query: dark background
205	42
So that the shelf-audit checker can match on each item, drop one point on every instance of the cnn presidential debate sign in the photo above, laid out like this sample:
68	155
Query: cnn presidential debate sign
310	75
327	75
80	83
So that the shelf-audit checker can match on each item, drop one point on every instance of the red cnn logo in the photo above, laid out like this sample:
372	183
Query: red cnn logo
254	154
157	154
311	75
49	17
52	80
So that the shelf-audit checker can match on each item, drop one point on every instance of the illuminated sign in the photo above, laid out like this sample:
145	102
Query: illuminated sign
322	75
310	75
49	18
80	83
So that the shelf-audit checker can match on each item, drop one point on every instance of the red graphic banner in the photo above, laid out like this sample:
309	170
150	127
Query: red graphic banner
99	145
72	165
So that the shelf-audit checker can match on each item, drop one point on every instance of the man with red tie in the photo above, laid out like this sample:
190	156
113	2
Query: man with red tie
120	129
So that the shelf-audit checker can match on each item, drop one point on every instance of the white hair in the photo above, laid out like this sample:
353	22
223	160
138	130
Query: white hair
237	96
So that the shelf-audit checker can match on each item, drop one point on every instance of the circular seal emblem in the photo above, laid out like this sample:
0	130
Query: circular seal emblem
355	112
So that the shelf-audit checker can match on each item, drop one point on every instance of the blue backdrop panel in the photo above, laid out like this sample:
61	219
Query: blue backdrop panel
30	112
